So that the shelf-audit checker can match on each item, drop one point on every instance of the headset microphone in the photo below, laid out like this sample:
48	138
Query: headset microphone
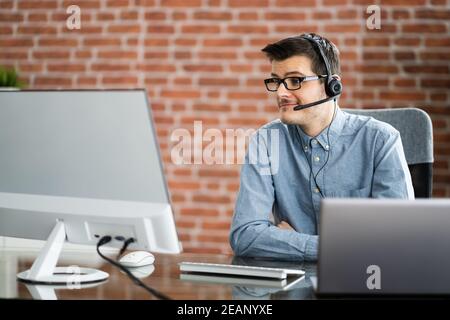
312	104
333	86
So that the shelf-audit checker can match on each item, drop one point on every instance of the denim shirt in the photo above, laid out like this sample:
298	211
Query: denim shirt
356	156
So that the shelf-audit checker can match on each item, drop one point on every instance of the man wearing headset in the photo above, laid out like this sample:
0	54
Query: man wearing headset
314	150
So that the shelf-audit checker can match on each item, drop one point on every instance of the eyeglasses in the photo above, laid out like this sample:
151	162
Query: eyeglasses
290	83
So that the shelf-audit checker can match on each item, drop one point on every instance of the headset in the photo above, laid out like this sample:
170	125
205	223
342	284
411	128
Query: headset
333	86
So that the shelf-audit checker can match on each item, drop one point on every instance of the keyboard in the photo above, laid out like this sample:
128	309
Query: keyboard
239	270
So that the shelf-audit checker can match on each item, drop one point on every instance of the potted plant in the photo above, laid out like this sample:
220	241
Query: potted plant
9	79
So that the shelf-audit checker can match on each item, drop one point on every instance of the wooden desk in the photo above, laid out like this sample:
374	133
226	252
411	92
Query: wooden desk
166	278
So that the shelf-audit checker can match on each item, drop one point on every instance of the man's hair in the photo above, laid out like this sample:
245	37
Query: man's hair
298	46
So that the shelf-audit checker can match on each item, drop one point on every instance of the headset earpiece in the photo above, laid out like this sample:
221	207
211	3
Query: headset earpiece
333	87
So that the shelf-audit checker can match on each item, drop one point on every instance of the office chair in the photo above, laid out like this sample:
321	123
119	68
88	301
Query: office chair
416	132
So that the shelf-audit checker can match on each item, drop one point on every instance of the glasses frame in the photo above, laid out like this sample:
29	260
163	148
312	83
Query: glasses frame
301	79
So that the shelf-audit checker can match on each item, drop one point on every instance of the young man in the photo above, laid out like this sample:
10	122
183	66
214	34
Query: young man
314	150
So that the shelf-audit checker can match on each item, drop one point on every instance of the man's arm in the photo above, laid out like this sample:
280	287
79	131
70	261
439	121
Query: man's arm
252	232
391	178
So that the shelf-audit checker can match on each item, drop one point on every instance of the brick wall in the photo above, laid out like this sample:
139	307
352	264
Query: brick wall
200	60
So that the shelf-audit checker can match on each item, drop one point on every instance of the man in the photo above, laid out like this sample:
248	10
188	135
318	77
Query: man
320	151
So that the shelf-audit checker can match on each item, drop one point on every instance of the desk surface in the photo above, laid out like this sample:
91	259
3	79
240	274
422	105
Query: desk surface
165	277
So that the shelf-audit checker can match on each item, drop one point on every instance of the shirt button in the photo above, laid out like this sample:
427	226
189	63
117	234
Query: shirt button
316	159
314	141
305	148
327	147
316	190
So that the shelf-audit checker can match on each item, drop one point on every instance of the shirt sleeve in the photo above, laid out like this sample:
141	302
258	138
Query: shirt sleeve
252	232
391	178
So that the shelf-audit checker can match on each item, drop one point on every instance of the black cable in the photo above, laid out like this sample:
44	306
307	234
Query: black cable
125	246
329	148
328	155
104	240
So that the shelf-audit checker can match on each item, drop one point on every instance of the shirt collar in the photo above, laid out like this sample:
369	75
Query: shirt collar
335	130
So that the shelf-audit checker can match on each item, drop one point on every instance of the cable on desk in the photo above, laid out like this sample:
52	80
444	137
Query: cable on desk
125	246
104	240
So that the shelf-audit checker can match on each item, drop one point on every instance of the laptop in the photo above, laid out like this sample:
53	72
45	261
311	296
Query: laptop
384	247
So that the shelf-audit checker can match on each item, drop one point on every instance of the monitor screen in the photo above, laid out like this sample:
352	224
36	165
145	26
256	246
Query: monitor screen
80	143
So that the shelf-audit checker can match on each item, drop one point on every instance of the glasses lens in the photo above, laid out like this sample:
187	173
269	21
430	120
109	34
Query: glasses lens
293	83
272	84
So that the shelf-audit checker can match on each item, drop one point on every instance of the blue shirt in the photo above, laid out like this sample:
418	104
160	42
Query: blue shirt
356	156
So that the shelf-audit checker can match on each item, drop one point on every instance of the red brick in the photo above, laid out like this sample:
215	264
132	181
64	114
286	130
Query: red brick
87	81
442	69
424	28
155	15
7	4
439	42
202	68
37	30
376	42
296	3
104	16
180	94
101	42
218	173
117	3
211	198
222	42
51	54
217	55
159	29
16	43
246	29
218	82
109	67
342	28
33	4
406	3
414	42
129	15
435	83
248	3
124	29
211	107
285	15
435	55
212	15
433	14
66	67
52	81
181	3
117	54
406	96
11	17
199	212
184	185
200	29
58	42
225	225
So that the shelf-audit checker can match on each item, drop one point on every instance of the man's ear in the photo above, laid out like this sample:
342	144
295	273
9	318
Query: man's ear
336	77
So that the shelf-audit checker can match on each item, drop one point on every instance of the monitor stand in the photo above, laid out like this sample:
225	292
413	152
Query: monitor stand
44	270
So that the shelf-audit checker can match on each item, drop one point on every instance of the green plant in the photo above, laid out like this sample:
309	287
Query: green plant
10	78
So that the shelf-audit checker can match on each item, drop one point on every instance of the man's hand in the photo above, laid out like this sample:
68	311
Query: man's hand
284	225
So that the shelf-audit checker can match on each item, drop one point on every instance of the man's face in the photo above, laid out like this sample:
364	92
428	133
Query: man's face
310	91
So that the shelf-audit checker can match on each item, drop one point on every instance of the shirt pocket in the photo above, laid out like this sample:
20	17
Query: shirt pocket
355	193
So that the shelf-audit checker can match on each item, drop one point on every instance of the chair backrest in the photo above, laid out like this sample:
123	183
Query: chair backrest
416	131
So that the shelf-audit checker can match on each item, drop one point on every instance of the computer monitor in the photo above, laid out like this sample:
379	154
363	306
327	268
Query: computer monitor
77	165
